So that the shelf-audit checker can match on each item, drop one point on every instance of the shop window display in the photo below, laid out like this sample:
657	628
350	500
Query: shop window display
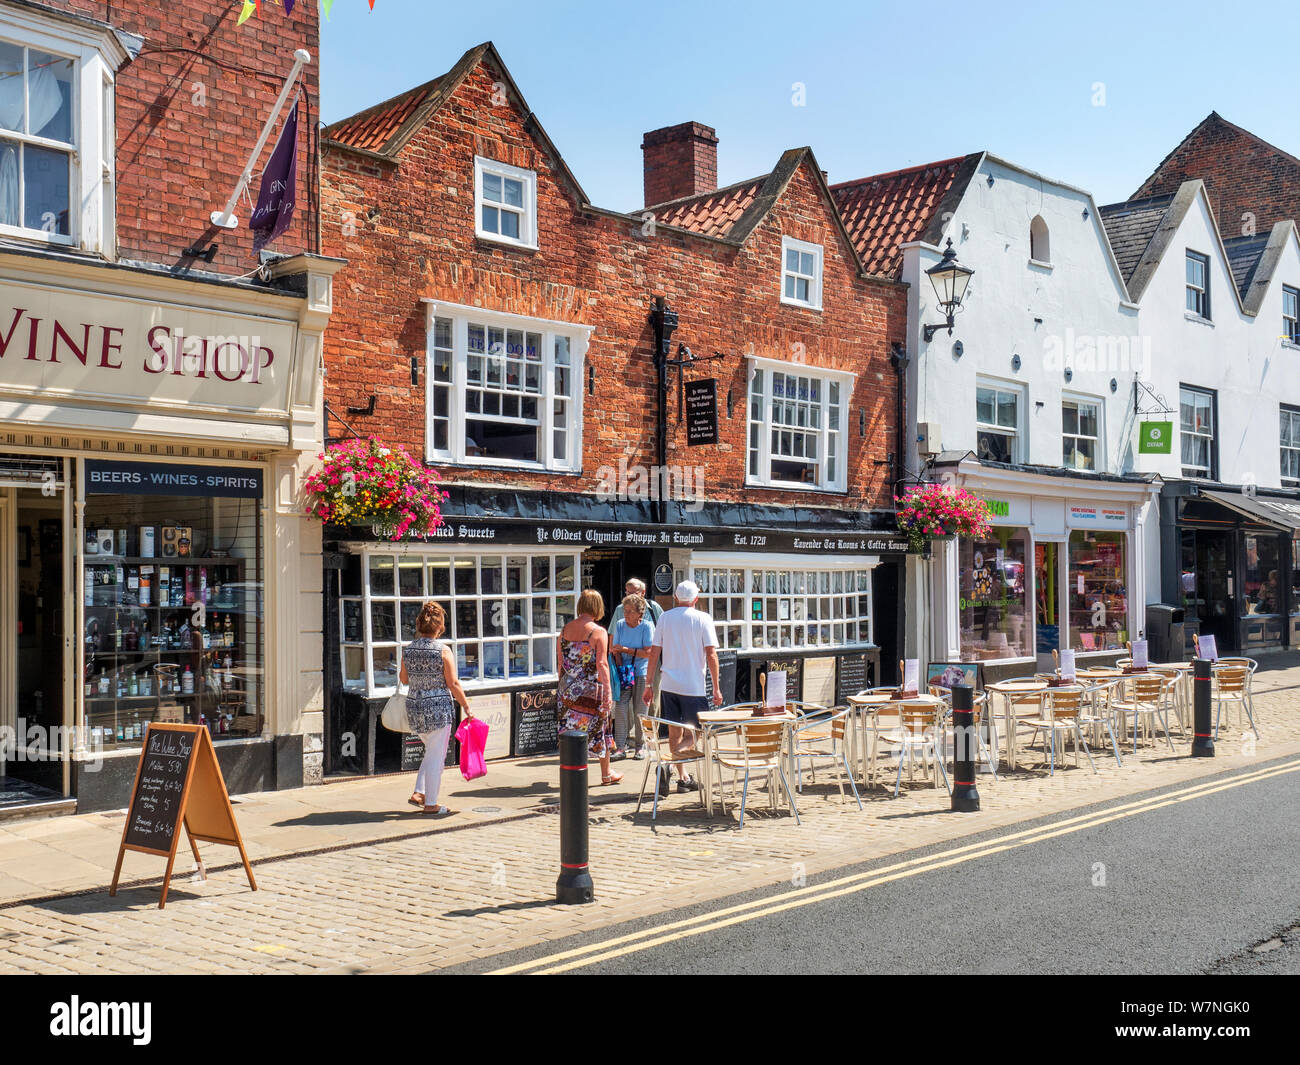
996	621
172	615
1098	591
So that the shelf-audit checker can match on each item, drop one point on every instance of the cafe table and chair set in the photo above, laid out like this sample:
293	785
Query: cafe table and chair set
737	748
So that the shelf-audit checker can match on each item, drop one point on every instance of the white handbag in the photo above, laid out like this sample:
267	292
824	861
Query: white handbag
394	717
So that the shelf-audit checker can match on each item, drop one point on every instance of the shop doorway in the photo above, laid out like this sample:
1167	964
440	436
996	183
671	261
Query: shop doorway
1047	602
32	637
1208	584
607	569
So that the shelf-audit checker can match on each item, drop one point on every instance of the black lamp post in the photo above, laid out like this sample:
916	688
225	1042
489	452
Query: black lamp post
949	279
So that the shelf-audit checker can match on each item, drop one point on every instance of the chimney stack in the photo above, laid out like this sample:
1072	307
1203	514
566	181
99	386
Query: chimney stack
679	161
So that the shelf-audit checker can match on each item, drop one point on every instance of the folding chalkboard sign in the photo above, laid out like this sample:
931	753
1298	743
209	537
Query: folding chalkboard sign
178	782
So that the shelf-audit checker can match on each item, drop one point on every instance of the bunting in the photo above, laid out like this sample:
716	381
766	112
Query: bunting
254	7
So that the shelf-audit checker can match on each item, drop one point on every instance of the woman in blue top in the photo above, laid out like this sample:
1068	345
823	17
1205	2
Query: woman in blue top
429	667
630	648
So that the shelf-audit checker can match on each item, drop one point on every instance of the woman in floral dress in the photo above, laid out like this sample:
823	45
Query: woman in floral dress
584	695
429	667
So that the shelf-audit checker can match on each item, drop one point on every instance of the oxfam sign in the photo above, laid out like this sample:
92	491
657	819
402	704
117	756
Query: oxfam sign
1156	438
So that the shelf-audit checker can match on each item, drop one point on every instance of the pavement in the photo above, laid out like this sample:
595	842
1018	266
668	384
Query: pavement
351	879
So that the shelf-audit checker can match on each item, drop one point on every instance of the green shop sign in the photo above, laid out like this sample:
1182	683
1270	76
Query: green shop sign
1156	438
998	508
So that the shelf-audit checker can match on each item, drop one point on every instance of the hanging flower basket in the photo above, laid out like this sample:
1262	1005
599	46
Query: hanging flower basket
362	482
939	511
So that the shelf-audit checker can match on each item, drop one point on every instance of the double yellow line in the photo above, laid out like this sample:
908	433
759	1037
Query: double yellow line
619	946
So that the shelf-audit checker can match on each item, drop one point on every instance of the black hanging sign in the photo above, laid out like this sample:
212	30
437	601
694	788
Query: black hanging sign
702	412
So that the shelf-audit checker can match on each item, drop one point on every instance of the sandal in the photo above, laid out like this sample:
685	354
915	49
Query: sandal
414	801
438	810
613	778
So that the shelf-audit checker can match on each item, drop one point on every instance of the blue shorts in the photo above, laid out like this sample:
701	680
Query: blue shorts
683	709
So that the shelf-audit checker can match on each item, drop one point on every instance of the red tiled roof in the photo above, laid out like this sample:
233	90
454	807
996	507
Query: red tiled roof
887	210
711	213
373	128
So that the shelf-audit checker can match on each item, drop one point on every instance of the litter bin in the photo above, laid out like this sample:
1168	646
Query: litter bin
1165	634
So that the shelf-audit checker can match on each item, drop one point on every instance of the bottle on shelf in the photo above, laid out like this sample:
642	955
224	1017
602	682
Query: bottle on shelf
103	682
227	633
132	638
133	685
187	681
146	585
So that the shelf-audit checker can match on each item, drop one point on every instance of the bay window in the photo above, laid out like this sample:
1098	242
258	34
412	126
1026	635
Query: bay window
504	610
797	419
56	128
503	390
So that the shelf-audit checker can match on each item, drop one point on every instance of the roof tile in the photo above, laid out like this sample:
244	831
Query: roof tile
713	214
373	128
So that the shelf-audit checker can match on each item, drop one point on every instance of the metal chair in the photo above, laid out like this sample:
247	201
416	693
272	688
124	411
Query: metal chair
827	727
1148	698
656	757
918	726
1061	708
1095	712
761	743
1233	686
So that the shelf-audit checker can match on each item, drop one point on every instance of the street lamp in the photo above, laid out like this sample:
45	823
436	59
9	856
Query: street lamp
949	279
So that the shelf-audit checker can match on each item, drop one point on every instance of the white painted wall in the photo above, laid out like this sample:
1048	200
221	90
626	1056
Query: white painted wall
1077	299
1241	357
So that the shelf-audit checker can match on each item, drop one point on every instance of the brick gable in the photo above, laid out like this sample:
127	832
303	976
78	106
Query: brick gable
414	239
1251	183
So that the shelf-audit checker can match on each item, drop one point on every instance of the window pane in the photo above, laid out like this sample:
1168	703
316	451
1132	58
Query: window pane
492	187
353	628
985	401
1007	409
490	219
383	622
45	189
791	259
564	573
514	192
409	612
1069	418
439	577
411	575
1088	419
510	225
806	264
383	661
49	96
11	86
381	574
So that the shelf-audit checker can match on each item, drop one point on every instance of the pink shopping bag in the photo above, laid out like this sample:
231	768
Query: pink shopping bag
472	735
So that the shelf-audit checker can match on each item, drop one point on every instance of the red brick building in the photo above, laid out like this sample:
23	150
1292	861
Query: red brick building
506	330
1251	184
160	397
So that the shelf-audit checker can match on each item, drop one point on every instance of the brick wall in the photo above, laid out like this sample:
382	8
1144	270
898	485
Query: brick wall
414	238
189	110
1248	180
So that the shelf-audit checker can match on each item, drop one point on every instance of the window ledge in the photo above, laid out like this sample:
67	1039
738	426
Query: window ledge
790	486
1189	316
1291	344
487	240
802	306
1039	264
499	464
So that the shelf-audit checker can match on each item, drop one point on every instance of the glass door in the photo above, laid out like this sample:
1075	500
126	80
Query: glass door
1213	590
1047	599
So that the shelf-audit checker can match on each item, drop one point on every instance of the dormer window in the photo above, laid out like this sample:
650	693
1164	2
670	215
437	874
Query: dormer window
56	128
1198	285
1040	246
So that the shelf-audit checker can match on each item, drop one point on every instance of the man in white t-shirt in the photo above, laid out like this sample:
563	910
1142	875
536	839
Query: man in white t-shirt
686	644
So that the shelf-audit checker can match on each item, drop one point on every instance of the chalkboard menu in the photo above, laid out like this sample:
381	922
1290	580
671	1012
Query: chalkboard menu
536	722
702	412
793	669
156	804
412	751
726	678
852	677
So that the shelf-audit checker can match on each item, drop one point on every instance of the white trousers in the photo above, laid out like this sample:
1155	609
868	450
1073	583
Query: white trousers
429	779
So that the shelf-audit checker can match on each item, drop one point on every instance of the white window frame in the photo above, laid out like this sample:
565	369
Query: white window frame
366	552
462	317
1212	396
528	212
1017	435
1291	321
1079	400
764	479
1203	291
798	605
814	301
97	54
1289	415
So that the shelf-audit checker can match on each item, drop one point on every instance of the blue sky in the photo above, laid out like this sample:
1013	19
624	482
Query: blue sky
1091	94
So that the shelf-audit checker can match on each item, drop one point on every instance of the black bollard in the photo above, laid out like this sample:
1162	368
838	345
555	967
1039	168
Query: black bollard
1202	739
574	884
965	797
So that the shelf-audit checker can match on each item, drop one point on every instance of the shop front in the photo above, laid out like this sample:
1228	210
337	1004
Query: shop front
1062	568
1232	562
809	603
155	559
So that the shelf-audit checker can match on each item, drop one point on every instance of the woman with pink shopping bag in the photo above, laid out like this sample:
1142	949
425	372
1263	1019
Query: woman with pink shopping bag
429	667
472	735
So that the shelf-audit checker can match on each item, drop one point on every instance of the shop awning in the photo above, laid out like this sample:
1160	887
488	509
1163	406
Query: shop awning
1279	513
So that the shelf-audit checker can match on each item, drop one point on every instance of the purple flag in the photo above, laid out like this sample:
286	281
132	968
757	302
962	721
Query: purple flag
275	200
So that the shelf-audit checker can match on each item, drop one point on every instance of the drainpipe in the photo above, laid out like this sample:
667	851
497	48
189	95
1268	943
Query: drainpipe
664	321
899	359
